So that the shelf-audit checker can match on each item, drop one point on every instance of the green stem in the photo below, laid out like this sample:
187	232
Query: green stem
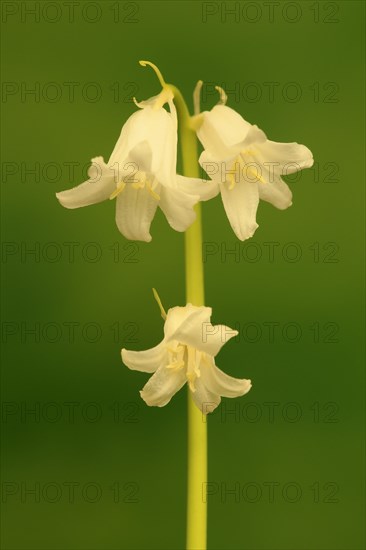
197	427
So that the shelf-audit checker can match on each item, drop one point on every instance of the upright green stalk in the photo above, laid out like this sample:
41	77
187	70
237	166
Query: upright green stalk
197	428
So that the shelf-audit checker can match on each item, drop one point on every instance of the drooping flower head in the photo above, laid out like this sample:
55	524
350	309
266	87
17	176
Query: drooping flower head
141	173
246	165
187	355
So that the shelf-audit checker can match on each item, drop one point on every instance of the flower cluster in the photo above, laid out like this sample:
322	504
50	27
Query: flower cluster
141	174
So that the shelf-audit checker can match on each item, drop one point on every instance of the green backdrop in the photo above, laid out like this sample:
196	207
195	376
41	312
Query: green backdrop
86	464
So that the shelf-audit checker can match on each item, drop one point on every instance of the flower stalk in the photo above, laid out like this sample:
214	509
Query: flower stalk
197	426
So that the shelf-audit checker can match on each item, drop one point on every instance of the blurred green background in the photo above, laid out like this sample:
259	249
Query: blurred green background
106	471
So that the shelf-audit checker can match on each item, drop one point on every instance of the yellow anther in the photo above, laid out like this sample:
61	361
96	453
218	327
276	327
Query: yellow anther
256	175
141	184
118	190
232	182
149	187
231	176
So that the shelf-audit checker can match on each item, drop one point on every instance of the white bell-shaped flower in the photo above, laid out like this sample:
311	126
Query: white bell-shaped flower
141	174
246	165
187	354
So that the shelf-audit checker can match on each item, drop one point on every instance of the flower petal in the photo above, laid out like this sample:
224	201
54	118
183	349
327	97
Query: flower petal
284	158
148	102
178	207
181	321
203	398
145	361
165	96
166	171
97	188
205	189
277	193
135	209
214	337
222	128
141	157
241	203
161	387
220	383
191	325
158	128
255	136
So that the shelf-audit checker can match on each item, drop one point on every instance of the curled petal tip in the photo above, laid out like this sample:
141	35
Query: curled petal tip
59	197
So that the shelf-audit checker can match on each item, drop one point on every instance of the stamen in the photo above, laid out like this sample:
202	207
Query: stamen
119	189
232	182
150	188
249	169
256	175
231	176
154	183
